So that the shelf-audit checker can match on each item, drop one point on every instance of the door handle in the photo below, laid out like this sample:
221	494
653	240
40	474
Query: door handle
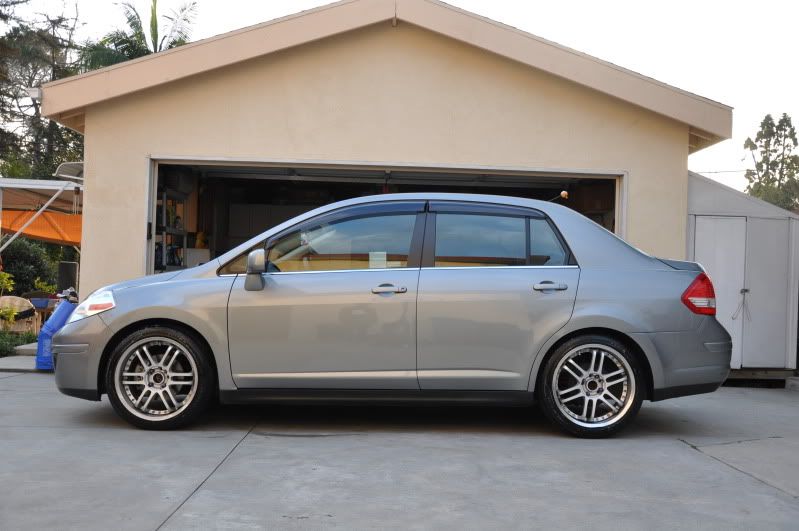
548	285
388	288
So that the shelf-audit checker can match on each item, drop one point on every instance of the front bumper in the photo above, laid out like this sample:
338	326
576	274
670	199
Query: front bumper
691	362
77	352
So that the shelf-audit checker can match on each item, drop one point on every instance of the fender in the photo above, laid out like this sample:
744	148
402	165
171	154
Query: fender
580	322
199	303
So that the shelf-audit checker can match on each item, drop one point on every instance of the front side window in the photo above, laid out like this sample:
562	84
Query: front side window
238	265
474	240
545	247
376	242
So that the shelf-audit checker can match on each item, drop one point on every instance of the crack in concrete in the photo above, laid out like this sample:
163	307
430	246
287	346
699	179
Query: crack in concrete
723	462
740	441
203	482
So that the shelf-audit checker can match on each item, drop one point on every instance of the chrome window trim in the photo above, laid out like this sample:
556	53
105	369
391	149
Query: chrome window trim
383	269
387	269
504	267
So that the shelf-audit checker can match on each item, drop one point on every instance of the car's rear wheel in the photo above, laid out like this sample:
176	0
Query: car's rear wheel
591	386
159	378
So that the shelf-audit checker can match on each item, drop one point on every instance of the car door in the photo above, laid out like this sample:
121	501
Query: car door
338	309
496	283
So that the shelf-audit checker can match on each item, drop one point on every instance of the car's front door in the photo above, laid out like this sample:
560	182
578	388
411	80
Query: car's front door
496	283
338	309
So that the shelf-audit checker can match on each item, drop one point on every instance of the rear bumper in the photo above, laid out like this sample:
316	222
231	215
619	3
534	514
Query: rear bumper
683	390
77	350
691	362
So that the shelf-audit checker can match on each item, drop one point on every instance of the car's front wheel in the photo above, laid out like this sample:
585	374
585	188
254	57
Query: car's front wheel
591	386
159	378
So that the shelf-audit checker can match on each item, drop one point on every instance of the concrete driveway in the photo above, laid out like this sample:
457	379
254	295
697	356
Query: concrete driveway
725	460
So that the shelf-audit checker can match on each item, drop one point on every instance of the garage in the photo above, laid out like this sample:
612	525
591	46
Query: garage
191	151
201	210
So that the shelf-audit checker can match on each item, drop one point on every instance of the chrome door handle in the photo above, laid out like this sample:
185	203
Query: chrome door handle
389	288
550	286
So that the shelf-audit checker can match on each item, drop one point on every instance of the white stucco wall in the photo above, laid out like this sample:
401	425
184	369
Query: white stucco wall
379	94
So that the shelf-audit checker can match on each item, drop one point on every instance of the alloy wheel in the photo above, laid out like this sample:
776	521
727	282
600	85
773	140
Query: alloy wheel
593	386
156	378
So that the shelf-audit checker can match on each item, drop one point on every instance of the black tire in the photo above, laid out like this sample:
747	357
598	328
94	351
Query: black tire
201	394
571	416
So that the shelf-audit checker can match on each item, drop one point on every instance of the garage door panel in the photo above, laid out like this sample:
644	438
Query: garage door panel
765	340
720	246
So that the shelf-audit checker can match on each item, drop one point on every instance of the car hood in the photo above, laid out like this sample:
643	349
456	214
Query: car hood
143	281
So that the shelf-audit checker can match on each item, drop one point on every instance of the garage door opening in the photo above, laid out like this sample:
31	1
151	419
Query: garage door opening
199	212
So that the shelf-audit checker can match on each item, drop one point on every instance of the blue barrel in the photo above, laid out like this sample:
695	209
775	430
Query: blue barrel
44	350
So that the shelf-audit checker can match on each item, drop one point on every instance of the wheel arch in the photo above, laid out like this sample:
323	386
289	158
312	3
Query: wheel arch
121	334
623	338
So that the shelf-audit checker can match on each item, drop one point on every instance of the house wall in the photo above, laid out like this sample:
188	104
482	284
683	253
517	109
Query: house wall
379	94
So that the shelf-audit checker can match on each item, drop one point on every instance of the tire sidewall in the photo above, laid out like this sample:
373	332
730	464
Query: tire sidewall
205	378
547	398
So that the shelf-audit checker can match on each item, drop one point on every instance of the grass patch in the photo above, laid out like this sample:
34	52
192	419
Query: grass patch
9	340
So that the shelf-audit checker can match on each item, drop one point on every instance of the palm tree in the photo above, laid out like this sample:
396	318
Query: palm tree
133	42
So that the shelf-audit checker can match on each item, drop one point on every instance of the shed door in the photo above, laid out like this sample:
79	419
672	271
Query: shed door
765	337
720	246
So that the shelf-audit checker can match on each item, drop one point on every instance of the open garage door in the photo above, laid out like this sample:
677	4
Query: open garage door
200	211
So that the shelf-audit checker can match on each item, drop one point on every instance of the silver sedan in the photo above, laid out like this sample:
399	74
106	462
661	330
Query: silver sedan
406	297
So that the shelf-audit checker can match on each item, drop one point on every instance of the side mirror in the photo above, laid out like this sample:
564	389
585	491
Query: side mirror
256	266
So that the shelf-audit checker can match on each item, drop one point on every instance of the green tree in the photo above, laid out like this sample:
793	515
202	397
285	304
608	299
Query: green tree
28	262
6	15
776	163
134	41
8	140
32	146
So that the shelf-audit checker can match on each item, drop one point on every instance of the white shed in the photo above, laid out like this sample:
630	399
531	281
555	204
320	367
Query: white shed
750	249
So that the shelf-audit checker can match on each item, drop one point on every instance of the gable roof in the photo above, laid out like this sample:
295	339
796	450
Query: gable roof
65	100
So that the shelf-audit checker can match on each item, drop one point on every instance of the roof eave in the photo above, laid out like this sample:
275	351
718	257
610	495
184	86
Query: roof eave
65	100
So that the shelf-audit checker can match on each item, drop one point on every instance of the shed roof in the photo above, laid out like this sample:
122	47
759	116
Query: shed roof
66	100
707	197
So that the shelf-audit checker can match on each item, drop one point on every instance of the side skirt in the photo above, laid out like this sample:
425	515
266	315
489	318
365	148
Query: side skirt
372	396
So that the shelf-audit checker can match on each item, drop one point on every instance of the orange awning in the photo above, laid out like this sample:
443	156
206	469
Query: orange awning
52	227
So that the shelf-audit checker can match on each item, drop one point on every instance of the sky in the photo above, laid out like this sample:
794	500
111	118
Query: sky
738	53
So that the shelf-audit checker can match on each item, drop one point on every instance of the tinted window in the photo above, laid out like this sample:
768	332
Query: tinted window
545	247
376	242
472	240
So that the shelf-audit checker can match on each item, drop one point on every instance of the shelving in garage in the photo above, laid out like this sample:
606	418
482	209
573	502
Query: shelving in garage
227	204
170	233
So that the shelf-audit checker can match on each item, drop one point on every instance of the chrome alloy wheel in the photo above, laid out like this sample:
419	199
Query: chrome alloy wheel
156	378
593	386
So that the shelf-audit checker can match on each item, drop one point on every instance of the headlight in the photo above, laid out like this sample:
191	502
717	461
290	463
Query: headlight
97	302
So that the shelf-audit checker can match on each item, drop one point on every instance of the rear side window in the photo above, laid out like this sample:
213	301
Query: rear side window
373	242
545	246
474	240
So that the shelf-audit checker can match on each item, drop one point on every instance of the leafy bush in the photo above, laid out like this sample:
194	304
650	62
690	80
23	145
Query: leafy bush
41	285
27	260
9	340
8	315
6	283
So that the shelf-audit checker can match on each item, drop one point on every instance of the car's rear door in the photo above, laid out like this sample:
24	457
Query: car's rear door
496	282
338	309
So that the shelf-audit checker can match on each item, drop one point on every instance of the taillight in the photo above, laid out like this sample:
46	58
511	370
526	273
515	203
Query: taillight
700	297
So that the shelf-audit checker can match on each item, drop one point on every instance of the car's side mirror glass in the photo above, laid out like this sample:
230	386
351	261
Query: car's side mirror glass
256	266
